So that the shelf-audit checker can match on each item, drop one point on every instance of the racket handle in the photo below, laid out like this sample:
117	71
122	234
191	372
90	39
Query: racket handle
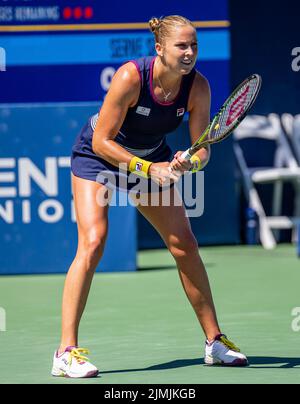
186	155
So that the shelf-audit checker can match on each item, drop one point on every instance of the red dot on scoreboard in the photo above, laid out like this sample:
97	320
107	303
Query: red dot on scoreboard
67	13
88	12
77	12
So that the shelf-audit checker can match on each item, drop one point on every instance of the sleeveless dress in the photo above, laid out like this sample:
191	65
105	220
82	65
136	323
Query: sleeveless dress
142	133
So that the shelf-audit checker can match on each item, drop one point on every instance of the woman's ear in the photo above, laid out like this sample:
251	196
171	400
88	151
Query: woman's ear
159	49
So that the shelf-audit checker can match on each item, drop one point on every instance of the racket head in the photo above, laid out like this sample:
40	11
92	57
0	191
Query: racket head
231	114
234	109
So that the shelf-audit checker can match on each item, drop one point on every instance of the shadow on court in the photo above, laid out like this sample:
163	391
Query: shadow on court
159	267
156	268
179	363
268	362
256	362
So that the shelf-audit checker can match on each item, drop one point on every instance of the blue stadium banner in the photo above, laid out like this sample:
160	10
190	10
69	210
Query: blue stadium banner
37	216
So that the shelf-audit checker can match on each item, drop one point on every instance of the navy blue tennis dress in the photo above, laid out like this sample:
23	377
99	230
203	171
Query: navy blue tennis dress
142	133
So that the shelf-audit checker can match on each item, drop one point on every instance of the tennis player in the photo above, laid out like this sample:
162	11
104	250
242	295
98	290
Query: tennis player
146	100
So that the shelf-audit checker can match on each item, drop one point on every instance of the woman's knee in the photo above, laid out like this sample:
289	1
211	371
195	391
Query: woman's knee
183	245
92	244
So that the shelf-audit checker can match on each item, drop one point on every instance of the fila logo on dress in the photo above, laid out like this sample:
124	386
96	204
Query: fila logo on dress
180	111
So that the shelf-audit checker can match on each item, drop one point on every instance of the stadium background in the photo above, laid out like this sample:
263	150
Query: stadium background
56	76
55	79
56	62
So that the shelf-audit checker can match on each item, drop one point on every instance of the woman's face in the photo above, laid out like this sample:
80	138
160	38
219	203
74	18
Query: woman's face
179	51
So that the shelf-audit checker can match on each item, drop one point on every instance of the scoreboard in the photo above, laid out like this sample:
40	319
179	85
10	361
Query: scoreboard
68	51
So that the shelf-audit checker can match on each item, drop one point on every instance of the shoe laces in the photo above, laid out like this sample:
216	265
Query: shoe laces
229	344
76	354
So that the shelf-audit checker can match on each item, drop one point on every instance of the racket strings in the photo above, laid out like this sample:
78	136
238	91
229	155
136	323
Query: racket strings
234	108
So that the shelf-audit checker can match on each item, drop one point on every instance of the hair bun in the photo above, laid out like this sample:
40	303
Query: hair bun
154	24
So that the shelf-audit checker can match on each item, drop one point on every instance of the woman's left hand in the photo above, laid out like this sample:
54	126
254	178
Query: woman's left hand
180	164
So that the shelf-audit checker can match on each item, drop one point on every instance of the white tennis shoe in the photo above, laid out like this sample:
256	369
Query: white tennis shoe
72	363
221	351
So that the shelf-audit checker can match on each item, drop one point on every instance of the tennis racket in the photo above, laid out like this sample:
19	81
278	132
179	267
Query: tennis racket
231	114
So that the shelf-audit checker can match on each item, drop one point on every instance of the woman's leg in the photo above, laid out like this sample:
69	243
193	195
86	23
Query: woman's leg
174	227
92	226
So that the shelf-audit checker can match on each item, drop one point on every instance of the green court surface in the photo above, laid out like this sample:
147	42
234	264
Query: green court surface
141	329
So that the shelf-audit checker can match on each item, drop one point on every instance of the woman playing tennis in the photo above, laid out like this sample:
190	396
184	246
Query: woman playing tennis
146	100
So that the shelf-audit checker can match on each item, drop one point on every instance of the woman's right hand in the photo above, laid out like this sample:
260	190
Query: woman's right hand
162	174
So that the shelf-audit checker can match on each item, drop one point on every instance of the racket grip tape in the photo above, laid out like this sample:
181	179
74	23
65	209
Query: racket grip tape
186	155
